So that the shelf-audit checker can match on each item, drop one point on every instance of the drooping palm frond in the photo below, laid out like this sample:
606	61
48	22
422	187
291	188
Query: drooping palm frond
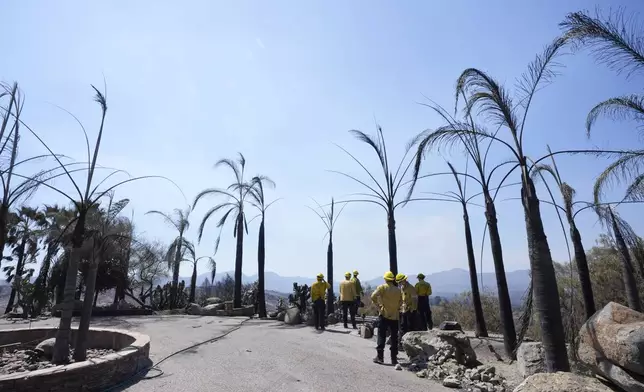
615	40
627	167
629	107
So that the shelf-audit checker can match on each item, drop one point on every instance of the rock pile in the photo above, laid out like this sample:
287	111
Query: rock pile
448	357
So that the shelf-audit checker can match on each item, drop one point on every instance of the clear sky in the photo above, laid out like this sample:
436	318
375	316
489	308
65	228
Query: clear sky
189	83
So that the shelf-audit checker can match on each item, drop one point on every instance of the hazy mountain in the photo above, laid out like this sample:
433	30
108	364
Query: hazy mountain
445	283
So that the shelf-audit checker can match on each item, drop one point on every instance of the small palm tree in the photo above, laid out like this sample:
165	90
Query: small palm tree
258	200
568	194
192	257
179	220
24	233
235	195
383	193
105	233
329	218
617	45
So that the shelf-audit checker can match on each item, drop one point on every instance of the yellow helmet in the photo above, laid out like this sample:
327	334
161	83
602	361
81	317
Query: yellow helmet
420	276
355	272
320	276
389	276
347	274
400	277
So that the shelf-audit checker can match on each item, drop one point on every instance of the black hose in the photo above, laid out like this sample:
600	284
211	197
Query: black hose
154	366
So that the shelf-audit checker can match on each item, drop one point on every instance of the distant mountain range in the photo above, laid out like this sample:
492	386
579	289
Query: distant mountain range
445	283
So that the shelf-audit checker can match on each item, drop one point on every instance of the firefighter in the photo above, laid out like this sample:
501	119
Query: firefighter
424	290
408	304
348	299
388	298
318	290
359	290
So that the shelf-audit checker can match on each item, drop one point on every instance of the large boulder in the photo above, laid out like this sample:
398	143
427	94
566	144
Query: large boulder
211	310
292	316
427	343
616	334
561	382
281	315
531	359
214	300
611	343
193	309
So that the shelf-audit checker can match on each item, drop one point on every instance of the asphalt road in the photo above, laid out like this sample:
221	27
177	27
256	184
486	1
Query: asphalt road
259	356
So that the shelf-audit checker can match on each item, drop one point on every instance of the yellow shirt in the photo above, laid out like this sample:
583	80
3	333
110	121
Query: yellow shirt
359	290
388	298
318	289
408	298
347	290
423	288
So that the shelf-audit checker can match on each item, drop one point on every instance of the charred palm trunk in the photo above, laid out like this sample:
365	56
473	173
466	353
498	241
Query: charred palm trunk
480	327
237	299
4	210
80	350
329	273
544	281
261	260
17	276
393	249
505	306
193	283
582	267
628	274
61	347
174	288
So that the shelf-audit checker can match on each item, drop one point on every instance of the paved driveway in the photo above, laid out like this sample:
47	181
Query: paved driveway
259	356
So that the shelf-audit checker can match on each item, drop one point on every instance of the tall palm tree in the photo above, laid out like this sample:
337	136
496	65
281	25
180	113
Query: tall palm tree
329	218
622	233
568	194
614	43
84	202
382	193
24	233
477	149
235	195
485	94
258	200
179	220
106	233
192	257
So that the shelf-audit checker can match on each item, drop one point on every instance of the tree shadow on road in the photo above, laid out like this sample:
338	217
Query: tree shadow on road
148	372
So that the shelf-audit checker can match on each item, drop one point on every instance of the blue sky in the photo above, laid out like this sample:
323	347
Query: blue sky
281	81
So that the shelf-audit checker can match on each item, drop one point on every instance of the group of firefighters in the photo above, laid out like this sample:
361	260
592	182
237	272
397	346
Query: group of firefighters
402	307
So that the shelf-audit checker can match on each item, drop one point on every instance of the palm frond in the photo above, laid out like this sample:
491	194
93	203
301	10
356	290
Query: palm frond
615	40
165	217
623	169
620	108
635	191
233	166
375	144
213	191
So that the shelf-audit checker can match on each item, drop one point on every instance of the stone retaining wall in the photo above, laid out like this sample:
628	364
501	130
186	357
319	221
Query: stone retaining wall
133	350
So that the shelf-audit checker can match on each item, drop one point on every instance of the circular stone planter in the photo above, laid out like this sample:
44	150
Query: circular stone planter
131	356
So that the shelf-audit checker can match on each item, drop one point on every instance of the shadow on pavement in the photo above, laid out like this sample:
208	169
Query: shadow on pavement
149	372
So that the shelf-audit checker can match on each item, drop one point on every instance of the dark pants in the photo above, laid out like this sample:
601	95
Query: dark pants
425	312
349	307
318	313
384	325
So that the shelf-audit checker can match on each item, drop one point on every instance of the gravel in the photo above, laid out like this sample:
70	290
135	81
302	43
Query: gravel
25	360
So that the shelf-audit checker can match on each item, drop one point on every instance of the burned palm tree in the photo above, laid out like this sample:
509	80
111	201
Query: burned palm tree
234	205
477	147
383	193
106	233
83	201
191	256
567	195
258	200
179	220
621	47
485	95
624	236
329	218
